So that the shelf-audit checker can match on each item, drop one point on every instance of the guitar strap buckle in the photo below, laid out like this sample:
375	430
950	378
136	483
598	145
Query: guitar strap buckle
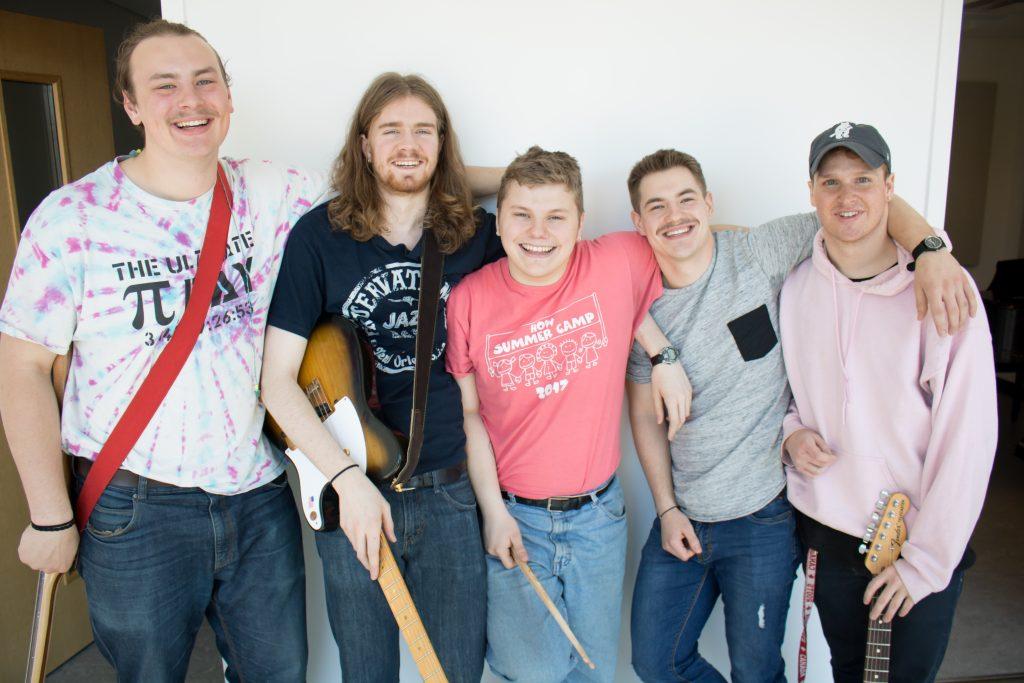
400	487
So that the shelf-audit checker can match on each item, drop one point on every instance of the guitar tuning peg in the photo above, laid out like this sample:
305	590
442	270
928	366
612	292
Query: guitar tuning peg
874	558
884	495
872	527
867	537
875	517
880	505
862	550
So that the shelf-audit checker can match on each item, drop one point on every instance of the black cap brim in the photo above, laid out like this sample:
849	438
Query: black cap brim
870	157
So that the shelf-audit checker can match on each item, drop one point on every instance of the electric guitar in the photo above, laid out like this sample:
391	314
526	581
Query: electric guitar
335	374
883	541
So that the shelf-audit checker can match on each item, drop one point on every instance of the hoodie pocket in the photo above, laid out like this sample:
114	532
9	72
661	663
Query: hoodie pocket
754	334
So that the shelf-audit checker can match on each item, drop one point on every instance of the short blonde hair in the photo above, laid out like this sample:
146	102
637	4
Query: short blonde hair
538	166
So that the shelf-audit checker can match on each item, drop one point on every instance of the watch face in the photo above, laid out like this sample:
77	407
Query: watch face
933	242
669	355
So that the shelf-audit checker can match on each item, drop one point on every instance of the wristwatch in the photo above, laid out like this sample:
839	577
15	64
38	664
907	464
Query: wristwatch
929	243
669	354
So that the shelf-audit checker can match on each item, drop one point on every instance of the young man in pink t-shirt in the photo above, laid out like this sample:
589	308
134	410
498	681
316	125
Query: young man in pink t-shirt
538	343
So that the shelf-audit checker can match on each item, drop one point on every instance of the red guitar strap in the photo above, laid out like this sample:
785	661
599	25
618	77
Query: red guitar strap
170	361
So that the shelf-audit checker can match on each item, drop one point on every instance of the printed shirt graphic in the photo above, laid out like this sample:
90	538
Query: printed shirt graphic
550	362
375	284
107	267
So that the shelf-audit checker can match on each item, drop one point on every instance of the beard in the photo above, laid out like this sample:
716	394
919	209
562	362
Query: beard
398	183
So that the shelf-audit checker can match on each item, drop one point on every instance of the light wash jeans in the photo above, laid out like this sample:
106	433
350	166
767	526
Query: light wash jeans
579	556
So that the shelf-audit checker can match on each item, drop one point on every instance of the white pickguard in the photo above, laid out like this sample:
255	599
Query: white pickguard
344	425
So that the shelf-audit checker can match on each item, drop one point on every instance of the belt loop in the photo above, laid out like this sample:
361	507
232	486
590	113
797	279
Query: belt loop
143	488
436	483
593	496
511	497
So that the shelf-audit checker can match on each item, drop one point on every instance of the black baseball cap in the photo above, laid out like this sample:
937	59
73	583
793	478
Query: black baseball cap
860	138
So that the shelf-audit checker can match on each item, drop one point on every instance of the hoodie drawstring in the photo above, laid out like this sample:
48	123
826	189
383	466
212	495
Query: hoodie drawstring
849	340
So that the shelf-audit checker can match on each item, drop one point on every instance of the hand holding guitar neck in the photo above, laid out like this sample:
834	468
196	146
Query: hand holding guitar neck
883	541
365	517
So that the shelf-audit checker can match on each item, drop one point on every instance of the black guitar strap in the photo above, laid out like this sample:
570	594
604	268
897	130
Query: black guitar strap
431	272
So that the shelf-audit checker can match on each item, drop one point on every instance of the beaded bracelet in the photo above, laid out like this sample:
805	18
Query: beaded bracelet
342	471
664	512
53	527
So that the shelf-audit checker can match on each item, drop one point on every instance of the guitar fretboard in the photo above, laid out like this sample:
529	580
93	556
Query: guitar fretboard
876	653
409	623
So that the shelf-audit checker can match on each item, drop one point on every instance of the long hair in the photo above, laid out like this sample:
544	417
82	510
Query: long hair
359	208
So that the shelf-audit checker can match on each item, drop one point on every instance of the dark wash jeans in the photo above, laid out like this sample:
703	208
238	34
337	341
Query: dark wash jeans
918	640
441	555
156	558
751	562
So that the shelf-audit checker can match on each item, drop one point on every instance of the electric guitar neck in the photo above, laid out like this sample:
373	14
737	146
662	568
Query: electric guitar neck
883	541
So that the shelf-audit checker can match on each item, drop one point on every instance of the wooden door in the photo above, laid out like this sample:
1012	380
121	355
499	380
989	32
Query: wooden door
54	128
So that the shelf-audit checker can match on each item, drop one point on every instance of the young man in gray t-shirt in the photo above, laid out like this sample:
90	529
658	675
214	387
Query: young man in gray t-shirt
724	526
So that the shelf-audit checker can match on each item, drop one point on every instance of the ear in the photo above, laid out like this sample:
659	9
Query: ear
364	144
130	108
635	217
890	184
810	192
231	103
710	200
579	232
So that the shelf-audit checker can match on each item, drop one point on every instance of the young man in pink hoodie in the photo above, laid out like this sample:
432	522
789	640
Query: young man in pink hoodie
880	402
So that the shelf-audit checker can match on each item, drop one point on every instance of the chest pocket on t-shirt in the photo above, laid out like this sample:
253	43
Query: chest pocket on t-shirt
754	333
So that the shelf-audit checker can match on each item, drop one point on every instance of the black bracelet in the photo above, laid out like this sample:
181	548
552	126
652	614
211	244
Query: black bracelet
665	512
342	471
53	527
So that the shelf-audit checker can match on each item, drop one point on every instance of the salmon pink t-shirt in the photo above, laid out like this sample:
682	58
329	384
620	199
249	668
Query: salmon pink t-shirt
550	361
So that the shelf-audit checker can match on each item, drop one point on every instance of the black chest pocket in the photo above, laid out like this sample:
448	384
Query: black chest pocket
754	333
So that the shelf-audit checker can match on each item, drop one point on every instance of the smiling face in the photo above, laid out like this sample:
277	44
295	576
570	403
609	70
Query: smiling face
539	226
674	214
180	97
850	197
402	145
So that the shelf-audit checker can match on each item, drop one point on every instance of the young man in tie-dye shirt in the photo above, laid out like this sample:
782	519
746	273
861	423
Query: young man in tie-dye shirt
199	519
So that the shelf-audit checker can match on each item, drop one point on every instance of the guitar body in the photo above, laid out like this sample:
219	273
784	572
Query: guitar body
335	361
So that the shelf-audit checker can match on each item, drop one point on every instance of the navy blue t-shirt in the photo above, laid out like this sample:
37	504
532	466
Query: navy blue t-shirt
375	284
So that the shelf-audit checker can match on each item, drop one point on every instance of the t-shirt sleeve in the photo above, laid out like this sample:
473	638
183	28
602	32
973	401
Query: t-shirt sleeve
457	358
300	292
644	275
42	300
304	190
638	368
780	245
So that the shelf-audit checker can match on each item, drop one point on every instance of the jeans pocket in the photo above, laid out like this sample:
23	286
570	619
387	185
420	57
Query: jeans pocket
612	503
777	511
114	515
459	494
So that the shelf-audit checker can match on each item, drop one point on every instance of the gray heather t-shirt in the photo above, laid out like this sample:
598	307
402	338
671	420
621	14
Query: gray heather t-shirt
726	460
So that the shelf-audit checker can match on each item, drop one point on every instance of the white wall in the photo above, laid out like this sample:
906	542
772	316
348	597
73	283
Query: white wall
743	85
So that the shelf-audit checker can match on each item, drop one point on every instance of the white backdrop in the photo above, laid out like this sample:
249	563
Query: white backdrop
742	85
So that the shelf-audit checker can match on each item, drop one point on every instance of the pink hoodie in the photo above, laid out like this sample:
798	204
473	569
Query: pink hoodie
903	409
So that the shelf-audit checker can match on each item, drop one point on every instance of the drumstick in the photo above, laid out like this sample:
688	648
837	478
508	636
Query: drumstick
554	612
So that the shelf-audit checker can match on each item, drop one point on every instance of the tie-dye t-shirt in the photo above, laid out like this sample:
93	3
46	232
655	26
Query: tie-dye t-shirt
107	267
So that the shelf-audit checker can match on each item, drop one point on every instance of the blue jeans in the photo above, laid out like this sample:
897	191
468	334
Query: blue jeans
579	556
156	558
751	562
440	553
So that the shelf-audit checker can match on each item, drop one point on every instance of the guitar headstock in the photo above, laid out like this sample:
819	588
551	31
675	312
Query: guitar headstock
884	537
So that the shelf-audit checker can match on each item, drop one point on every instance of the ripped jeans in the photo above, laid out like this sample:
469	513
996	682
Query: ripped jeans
751	562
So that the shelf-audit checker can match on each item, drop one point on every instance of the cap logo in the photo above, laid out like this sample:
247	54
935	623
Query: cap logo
842	131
